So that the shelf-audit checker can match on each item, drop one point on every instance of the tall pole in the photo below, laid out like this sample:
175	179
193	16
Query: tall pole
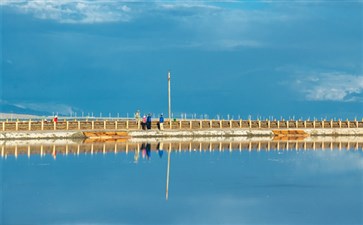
169	99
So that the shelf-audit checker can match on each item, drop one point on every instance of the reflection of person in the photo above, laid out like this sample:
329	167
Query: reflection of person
161	122
148	121
148	150
160	149
143	150
136	156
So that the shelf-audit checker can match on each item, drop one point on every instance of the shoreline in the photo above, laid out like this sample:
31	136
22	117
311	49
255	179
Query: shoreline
223	133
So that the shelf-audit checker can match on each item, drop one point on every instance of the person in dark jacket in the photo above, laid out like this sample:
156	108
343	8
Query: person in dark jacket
148	122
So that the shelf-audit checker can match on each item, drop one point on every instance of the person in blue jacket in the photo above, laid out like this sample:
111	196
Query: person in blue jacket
161	122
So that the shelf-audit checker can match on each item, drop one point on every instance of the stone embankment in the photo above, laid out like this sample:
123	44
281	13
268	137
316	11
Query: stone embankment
225	132
24	135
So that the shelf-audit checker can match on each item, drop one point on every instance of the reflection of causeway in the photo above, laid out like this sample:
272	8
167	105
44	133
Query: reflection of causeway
65	147
143	147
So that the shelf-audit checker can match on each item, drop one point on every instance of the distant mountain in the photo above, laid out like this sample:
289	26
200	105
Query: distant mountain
4	116
8	108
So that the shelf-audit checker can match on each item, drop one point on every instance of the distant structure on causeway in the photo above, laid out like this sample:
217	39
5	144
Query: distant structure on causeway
122	128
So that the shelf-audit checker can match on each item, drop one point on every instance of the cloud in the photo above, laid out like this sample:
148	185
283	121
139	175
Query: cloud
201	24
207	25
186	5
331	87
68	11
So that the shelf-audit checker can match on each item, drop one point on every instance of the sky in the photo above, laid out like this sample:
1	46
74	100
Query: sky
300	59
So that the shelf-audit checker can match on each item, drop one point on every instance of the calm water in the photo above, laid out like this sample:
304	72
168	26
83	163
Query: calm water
217	187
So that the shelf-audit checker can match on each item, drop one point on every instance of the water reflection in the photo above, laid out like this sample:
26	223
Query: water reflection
146	146
205	181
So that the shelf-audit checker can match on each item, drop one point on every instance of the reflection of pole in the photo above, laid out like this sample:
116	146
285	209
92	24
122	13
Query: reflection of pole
167	176
169	99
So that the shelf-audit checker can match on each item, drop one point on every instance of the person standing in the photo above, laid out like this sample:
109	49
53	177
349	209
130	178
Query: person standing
144	122
161	122
137	118
148	121
137	115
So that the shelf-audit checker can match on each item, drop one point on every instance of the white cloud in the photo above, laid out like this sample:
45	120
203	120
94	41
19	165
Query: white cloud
125	8
215	28
331	87
68	11
200	24
208	26
240	43
186	5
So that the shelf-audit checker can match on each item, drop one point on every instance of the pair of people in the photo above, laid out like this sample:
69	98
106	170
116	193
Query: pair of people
146	122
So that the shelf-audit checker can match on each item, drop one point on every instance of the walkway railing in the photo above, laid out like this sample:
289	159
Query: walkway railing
72	125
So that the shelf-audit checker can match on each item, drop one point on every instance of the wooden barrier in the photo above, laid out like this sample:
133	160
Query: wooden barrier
31	125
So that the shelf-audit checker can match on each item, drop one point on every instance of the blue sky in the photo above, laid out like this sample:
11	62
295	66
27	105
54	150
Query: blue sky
258	58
